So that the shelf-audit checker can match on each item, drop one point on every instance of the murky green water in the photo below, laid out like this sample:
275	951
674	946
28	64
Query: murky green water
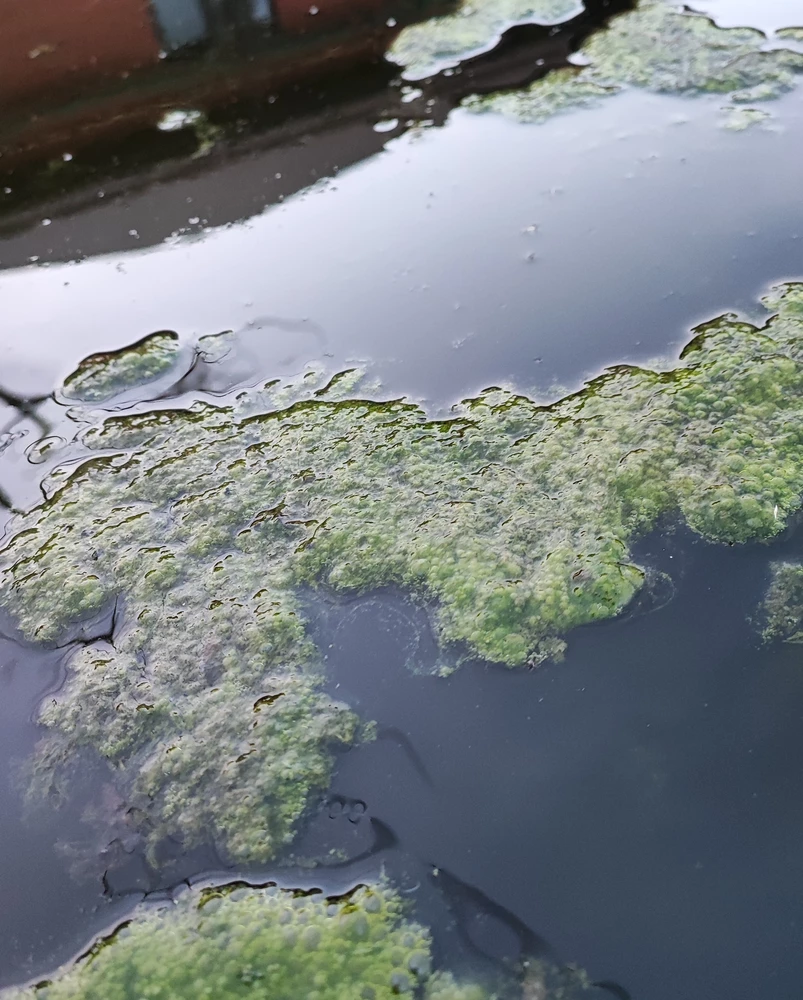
266	628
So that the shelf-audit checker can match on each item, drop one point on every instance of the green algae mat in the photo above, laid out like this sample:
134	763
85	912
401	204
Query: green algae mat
661	48
512	519
269	944
443	42
657	46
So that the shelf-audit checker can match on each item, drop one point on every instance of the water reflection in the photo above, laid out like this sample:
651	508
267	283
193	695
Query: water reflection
767	16
51	53
75	76
425	267
74	131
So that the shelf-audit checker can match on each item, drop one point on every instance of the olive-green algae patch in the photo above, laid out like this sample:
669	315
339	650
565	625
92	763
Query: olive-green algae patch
513	519
561	90
103	376
783	605
263	945
476	26
661	48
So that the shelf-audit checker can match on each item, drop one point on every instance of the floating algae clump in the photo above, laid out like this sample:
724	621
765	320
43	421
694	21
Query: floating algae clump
740	118
545	981
663	49
792	34
476	26
102	376
513	519
262	944
560	90
783	605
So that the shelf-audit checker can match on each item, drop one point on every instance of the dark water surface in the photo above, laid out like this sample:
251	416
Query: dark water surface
419	259
637	806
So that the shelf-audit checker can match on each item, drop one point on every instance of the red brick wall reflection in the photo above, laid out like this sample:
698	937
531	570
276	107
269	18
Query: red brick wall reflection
53	47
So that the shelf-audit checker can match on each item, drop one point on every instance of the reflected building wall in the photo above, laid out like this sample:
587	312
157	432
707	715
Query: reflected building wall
51	48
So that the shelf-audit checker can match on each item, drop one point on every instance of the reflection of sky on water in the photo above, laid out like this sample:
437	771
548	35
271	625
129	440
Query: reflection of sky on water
768	15
420	259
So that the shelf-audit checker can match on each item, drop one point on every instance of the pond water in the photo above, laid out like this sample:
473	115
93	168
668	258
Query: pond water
633	809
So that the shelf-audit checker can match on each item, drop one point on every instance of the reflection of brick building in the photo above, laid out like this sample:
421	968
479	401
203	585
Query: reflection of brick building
53	47
80	75
53	50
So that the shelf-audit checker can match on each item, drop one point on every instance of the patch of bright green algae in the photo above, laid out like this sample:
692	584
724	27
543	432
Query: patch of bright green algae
262	944
475	27
661	48
514	520
103	376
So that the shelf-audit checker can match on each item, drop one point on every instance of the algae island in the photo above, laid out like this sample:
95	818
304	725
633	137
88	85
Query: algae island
783	604
513	521
101	376
265	944
663	48
474	27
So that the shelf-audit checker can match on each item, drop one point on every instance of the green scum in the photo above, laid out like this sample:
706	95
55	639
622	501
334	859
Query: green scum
102	376
474	27
513	520
262	944
662	48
